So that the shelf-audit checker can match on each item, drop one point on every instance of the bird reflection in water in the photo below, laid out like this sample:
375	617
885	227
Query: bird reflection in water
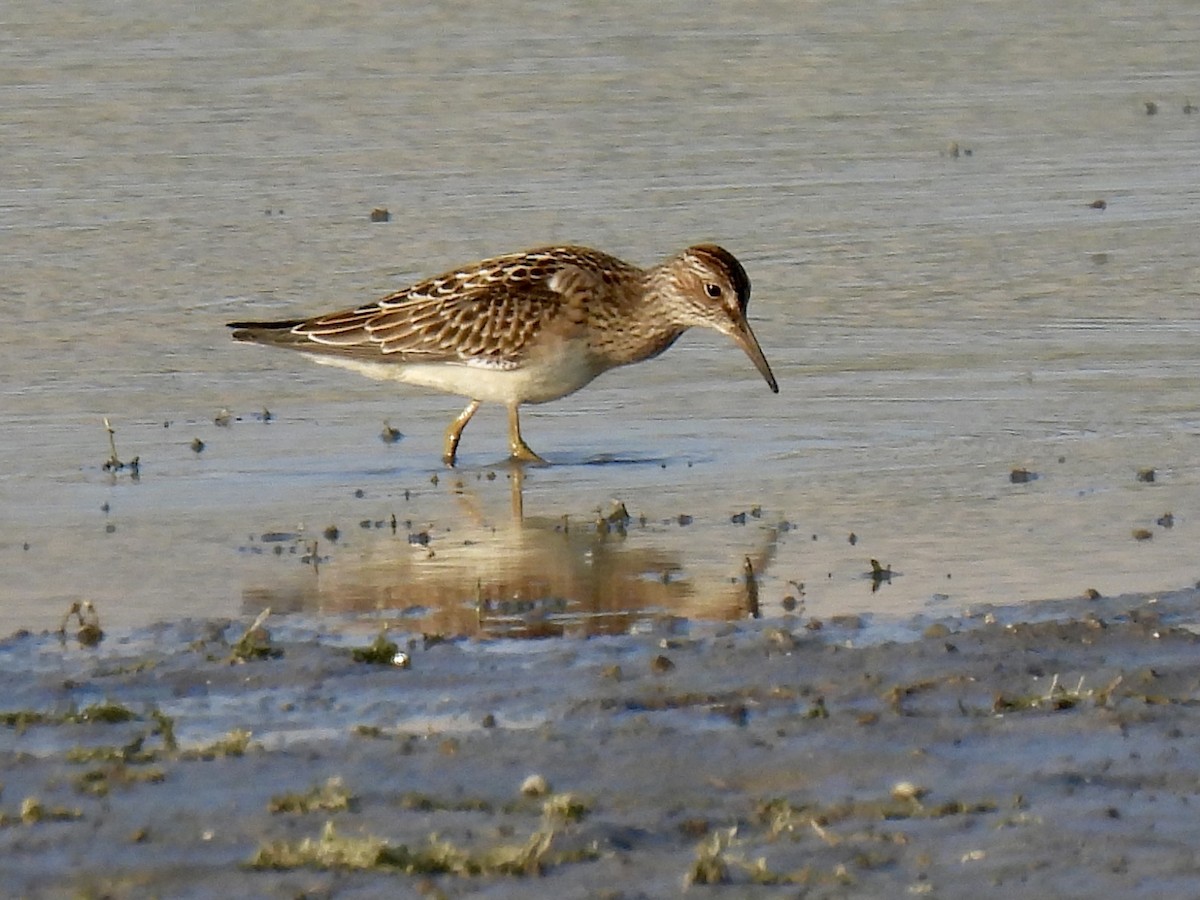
518	575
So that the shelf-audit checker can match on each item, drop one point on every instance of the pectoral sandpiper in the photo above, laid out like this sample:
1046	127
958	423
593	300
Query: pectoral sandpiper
528	327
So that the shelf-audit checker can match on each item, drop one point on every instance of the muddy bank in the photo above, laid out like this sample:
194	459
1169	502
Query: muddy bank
1051	748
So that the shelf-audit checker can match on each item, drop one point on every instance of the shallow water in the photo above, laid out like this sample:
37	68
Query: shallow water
934	320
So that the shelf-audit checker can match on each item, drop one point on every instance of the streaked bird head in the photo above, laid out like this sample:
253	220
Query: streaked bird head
706	286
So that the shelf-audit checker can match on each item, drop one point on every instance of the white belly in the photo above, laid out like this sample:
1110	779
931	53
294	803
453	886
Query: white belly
536	382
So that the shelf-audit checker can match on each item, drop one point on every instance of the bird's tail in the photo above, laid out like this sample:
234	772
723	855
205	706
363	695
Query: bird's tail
276	334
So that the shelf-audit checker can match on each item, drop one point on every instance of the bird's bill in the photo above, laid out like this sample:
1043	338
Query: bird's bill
744	338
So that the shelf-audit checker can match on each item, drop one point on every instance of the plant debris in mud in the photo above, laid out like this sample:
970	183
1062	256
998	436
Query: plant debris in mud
720	860
879	574
255	642
88	633
438	857
113	463
725	856
235	743
382	652
332	796
100	781
34	811
104	713
389	435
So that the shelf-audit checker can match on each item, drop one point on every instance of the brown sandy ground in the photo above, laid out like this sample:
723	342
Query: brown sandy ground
1049	750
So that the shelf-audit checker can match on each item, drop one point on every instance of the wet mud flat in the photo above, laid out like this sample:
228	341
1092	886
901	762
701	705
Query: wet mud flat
1052	748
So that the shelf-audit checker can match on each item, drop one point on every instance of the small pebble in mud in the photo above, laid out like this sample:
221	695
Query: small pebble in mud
1166	520
906	790
613	672
619	515
222	418
738	518
788	603
780	639
489	721
660	665
1142	534
853	539
1151	107
1146	475
1099	204
1022	476
197	445
1092	594
847	621
1188	108
380	214
936	630
389	435
685	519
535	786
331	532
359	494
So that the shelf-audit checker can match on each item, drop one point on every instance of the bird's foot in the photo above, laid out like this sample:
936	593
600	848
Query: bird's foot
520	452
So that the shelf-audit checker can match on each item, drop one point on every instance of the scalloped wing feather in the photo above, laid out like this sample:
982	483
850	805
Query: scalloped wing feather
489	313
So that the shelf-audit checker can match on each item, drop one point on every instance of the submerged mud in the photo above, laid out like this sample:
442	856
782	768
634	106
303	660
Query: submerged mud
1051	747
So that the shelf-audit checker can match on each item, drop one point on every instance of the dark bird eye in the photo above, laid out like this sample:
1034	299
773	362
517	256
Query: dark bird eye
713	290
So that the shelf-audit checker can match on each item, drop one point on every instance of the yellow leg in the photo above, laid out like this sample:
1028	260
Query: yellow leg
454	433
516	444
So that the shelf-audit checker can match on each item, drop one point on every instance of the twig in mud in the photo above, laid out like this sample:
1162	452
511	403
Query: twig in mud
113	463
751	590
113	460
255	642
90	633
